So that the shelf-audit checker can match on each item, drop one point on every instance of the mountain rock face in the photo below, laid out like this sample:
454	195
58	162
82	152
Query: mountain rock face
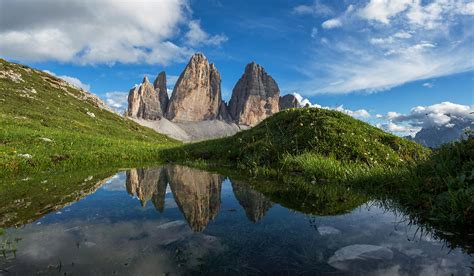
224	114
254	97
288	101
160	88
196	110
144	101
197	93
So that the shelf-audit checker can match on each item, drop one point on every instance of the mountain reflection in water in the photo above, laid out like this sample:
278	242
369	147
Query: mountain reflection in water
197	193
200	222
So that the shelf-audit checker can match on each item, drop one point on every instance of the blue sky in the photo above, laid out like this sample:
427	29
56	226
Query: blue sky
374	56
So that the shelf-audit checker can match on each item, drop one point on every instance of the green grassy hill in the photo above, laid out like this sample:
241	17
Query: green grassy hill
48	124
295	136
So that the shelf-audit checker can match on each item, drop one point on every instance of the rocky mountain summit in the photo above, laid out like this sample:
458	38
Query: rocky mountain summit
196	110
289	101
197	93
148	101
255	96
160	87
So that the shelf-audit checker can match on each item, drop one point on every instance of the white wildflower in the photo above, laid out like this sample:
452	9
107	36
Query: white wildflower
45	139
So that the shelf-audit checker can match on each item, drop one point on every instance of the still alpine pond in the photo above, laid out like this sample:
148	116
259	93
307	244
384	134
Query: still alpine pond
178	220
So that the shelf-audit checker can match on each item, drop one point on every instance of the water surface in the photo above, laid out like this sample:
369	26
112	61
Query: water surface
181	220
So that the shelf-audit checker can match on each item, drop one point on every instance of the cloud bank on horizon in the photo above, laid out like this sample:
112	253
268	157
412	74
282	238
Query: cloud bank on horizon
444	114
380	44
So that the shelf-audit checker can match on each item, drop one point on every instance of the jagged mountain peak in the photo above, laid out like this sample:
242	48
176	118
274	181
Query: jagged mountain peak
254	97
160	80
198	57
197	93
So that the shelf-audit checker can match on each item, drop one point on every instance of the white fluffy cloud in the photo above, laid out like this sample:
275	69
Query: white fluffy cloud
403	130
445	114
358	114
118	101
71	80
390	39
432	15
428	84
332	23
304	101
384	10
91	32
197	36
316	8
468	9
314	32
392	114
422	14
434	115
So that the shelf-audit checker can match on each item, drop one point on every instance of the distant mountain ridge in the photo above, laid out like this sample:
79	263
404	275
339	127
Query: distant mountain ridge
435	136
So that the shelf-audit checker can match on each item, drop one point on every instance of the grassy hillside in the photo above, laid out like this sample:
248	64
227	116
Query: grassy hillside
48	124
316	134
